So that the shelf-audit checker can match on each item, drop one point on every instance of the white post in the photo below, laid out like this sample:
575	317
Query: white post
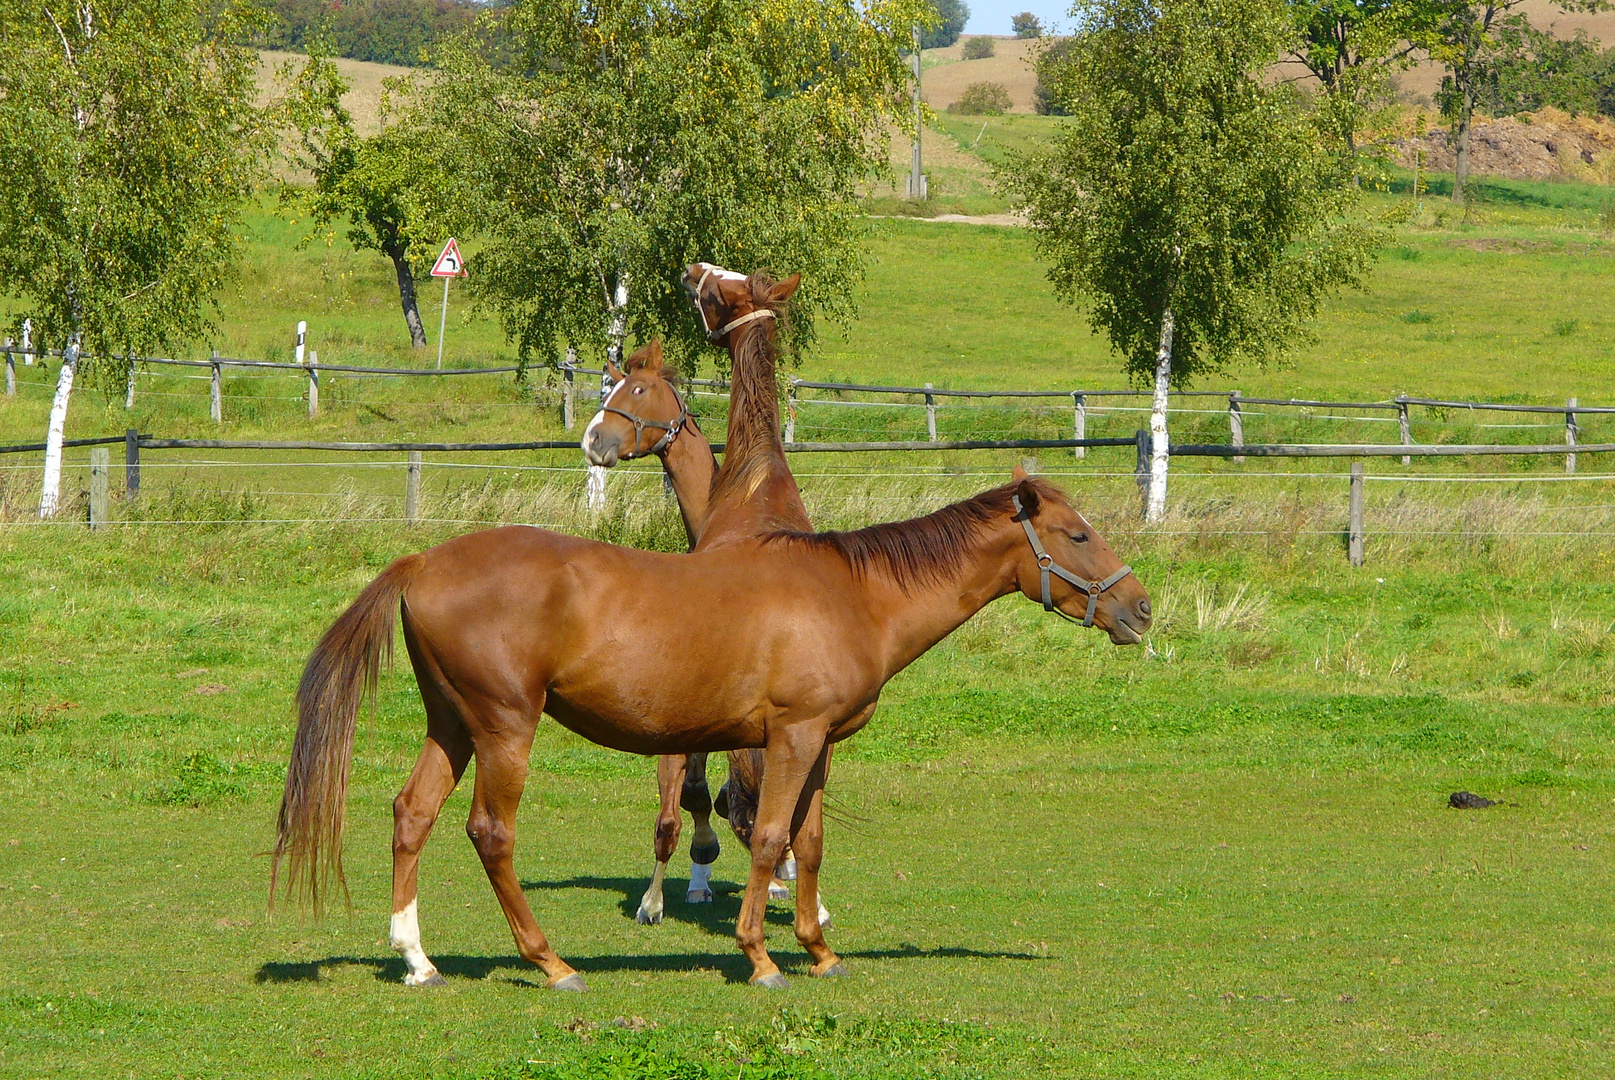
313	383
11	371
569	388
1236	425
129	385
930	414
27	342
1079	422
302	332
218	397
99	467
1155	508
51	494
790	411
442	321
1405	427
1570	435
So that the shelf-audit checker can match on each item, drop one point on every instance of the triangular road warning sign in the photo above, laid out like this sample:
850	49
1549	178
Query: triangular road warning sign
449	264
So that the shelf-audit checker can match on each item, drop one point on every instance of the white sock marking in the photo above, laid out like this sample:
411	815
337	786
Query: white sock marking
405	936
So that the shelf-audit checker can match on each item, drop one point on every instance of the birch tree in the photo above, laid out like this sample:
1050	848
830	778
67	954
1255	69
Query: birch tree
130	143
605	146
1185	200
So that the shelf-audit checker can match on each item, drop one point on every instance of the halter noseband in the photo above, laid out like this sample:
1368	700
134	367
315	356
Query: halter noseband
714	335
670	431
1046	566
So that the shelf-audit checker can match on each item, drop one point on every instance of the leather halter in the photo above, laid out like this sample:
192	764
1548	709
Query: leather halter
1046	566
670	431
714	335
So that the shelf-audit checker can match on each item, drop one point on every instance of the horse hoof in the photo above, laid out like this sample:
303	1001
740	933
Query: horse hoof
787	870
776	891
646	917
826	923
704	854
573	982
776	981
433	979
698	896
837	970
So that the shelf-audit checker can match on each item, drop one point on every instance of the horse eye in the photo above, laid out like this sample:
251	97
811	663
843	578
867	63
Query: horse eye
1079	538
641	390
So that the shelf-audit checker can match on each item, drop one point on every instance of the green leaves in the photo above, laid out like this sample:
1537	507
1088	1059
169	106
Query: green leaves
131	140
1183	179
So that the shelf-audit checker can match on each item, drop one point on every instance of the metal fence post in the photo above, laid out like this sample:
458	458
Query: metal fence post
790	411
1570	435
131	464
1354	536
1236	425
930	414
218	398
1142	468
11	371
98	487
1079	422
1402	423
412	488
313	384
569	412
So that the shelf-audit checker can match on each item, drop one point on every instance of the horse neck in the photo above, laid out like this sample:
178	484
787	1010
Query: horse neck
690	465
916	618
754	492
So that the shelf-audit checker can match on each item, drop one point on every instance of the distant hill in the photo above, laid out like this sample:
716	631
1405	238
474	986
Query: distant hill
363	98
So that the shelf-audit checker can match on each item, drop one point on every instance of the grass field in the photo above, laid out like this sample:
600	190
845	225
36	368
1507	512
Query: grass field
1224	855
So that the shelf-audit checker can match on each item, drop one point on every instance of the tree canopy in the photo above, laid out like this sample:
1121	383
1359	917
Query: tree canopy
130	141
631	137
950	19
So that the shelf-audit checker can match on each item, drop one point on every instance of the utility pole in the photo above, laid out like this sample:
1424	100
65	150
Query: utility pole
916	178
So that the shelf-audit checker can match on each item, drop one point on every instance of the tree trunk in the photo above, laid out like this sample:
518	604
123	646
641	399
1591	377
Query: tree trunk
51	495
1466	112
616	331
406	294
1155	505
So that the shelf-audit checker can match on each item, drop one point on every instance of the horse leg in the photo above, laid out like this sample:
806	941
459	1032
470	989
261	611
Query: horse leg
807	840
437	771
788	762
501	776
697	799
669	780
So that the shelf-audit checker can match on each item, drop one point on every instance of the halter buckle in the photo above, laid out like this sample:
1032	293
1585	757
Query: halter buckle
1045	561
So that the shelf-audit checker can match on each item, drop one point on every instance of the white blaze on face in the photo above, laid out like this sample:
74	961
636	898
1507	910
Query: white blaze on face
405	937
588	432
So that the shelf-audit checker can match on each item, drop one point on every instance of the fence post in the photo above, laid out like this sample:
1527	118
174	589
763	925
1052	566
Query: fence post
1354	536
1570	435
1402	422
1236	425
1142	469
218	399
27	342
790	410
1079	422
129	387
131	464
569	413
11	371
302	332
98	487
313	383
412	488
930	414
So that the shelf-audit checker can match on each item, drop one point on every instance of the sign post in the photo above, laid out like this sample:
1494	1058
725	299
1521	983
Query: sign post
448	265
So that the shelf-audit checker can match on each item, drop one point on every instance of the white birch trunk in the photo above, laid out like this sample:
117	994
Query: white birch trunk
616	330
52	493
1155	506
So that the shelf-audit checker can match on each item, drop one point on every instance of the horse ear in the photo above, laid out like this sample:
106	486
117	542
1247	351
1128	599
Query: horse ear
785	289
1017	474
614	373
648	357
1026	491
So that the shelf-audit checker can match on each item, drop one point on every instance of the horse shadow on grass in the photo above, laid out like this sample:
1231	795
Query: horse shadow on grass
716	918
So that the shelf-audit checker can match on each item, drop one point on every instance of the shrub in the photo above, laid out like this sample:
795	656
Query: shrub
978	48
1027	25
982	99
1046	97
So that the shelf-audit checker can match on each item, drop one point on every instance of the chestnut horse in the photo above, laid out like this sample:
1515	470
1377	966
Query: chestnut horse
782	641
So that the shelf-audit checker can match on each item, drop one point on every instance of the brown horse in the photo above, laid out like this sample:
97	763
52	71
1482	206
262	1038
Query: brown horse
781	642
646	416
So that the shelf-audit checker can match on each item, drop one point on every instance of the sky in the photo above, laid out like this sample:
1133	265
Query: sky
992	16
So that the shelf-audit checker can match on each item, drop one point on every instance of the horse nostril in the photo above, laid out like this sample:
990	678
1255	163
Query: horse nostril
1144	607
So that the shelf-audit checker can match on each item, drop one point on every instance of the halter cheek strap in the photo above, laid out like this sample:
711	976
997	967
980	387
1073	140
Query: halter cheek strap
1046	566
714	335
640	424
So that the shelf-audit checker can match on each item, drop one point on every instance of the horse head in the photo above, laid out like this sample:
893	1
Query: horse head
728	300
643	415
1069	568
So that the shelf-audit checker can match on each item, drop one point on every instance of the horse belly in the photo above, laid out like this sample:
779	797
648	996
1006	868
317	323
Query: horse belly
653	723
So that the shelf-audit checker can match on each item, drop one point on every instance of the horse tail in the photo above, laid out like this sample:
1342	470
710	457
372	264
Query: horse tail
741	792
341	672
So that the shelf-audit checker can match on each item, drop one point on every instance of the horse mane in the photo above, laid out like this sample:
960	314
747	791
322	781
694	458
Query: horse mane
753	440
924	550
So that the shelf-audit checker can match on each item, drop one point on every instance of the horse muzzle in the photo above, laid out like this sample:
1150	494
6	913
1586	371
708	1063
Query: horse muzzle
601	448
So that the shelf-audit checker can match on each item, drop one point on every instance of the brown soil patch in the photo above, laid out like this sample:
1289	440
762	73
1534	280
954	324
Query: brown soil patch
1540	146
1010	64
